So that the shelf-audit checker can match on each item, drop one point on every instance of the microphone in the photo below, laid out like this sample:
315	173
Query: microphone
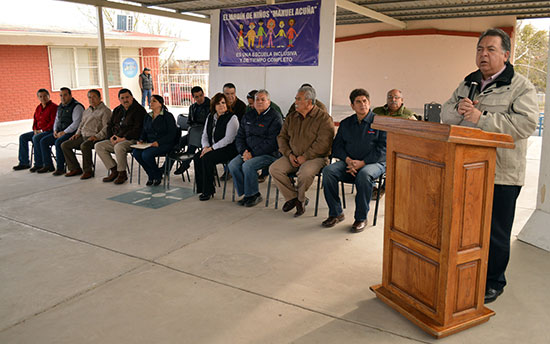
472	91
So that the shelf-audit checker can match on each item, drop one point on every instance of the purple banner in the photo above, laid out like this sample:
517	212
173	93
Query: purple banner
272	35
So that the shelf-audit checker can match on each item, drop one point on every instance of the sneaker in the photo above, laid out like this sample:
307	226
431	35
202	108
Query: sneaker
35	168
20	167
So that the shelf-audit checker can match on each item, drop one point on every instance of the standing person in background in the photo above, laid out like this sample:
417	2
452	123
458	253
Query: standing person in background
146	86
43	120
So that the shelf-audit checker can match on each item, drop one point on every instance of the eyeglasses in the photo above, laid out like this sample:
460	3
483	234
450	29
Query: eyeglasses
394	97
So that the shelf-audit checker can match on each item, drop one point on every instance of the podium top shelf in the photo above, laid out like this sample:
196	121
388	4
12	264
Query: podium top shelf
443	132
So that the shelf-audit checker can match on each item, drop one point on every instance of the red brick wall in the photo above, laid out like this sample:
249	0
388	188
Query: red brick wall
26	69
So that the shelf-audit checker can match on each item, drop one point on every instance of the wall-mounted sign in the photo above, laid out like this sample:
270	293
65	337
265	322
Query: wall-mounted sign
129	67
272	35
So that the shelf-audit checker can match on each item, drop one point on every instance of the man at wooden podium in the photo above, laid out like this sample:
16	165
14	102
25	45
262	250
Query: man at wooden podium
361	151
497	99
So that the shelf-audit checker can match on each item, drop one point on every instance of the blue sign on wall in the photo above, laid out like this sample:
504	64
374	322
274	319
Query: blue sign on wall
130	67
273	35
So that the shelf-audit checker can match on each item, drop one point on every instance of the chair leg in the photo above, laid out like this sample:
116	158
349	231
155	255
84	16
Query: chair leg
317	195
343	196
268	191
217	176
131	169
276	197
32	152
224	184
377	199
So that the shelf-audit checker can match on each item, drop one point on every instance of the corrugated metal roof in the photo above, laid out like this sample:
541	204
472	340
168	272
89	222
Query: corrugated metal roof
400	10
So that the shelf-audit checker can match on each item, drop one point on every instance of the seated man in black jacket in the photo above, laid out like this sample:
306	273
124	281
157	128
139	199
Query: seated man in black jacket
198	112
257	146
361	151
123	130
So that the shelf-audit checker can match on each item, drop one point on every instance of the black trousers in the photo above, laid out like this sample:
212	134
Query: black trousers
204	167
504	207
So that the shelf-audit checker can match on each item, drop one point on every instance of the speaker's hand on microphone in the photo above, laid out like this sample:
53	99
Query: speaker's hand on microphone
467	109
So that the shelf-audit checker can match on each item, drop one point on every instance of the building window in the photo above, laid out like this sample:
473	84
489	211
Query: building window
79	67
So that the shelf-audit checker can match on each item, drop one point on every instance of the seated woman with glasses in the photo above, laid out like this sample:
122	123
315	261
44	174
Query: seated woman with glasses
158	137
218	145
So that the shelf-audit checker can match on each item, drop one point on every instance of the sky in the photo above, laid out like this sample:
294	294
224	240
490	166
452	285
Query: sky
67	16
50	14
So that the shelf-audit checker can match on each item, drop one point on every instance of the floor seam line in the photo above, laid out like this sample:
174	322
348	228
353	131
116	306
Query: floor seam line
154	262
72	297
285	302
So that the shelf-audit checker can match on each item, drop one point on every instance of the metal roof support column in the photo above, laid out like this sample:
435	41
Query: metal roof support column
104	81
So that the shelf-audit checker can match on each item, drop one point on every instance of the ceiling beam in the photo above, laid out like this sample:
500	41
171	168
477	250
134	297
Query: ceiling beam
139	9
350	6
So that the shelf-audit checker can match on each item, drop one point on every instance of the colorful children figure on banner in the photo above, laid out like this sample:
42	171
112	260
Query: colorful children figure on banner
240	38
251	35
261	33
281	33
270	26
291	33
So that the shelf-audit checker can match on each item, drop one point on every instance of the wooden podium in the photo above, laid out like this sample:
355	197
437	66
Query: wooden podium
439	195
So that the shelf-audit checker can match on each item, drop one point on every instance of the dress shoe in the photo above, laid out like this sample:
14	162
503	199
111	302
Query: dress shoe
45	169
20	167
332	220
205	197
157	182
253	200
76	172
149	183
492	294
35	168
121	178
113	174
358	226
289	205
87	175
300	208
58	173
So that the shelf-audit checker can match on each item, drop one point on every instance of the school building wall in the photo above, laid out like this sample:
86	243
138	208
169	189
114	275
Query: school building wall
26	69
426	61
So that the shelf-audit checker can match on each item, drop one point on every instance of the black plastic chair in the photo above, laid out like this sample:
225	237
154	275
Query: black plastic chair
292	176
381	181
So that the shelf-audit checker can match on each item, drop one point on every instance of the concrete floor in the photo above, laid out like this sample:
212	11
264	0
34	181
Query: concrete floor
76	267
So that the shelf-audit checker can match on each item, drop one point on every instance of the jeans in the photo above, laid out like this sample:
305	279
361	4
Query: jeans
24	147
364	181
146	158
49	140
37	151
144	94
245	173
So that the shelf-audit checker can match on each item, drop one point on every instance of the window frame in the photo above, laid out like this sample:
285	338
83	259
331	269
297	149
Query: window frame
75	68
